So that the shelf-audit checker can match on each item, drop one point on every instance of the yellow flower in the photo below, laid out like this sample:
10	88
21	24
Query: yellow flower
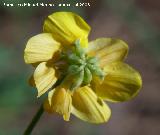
79	75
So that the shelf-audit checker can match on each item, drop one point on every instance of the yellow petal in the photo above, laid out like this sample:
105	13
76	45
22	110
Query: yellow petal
88	107
108	50
40	48
120	84
45	77
59	100
67	27
47	103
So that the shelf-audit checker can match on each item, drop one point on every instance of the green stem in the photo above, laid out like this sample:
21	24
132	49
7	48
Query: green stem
34	121
39	113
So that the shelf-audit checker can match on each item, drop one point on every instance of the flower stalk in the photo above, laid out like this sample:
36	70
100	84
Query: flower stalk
38	115
34	121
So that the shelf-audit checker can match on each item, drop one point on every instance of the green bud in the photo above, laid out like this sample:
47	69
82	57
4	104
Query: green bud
78	79
92	60
79	50
96	70
87	76
74	59
74	69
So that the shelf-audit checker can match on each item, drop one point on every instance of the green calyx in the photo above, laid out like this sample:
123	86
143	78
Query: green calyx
81	67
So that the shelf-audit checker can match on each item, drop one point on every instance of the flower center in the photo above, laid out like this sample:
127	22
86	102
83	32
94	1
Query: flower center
81	68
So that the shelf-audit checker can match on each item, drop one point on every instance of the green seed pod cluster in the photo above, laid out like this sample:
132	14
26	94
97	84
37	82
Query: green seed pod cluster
81	68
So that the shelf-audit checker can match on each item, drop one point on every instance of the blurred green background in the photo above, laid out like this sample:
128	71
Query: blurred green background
135	21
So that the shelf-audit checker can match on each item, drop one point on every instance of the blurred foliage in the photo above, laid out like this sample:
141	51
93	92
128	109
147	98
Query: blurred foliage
139	23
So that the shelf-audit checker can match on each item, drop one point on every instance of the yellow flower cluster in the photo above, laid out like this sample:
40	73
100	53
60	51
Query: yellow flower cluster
79	75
